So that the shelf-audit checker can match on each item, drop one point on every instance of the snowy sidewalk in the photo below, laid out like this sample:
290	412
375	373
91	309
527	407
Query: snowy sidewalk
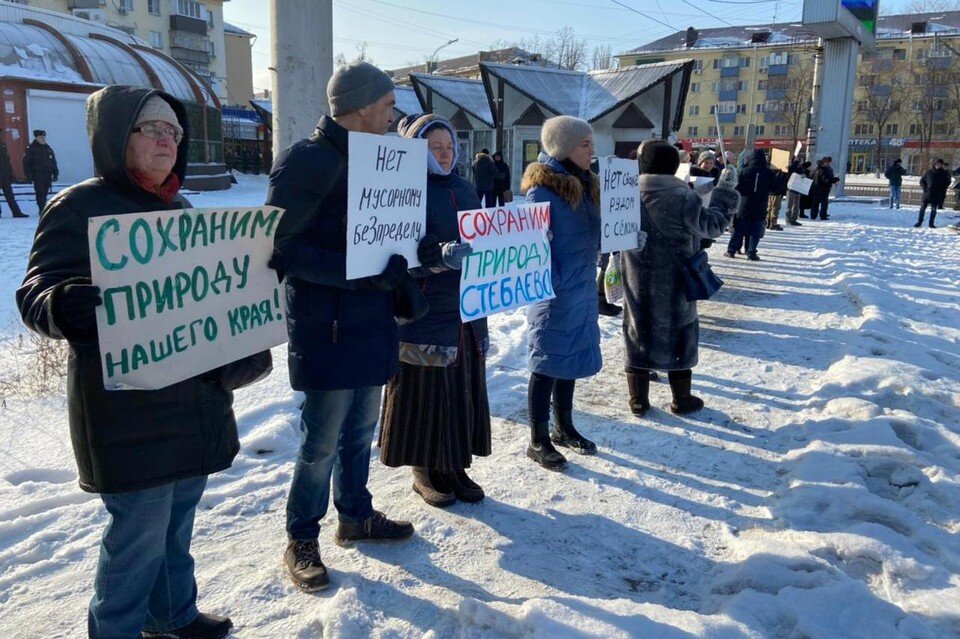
817	495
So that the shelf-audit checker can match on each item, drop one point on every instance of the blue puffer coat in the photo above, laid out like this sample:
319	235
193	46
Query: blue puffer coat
433	340
564	337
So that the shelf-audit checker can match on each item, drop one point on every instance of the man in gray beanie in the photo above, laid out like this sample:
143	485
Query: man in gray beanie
344	343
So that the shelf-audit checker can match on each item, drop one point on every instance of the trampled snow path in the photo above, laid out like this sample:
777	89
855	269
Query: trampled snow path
818	495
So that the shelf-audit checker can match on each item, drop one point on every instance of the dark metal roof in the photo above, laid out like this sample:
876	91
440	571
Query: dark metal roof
740	36
512	55
465	93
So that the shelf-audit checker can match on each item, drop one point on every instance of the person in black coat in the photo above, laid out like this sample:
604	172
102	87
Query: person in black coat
343	344
40	165
484	177
754	184
778	188
147	452
823	180
934	183
501	183
6	181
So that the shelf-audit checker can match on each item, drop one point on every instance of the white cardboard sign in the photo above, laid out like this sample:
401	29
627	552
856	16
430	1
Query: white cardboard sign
183	292
619	204
386	201
799	183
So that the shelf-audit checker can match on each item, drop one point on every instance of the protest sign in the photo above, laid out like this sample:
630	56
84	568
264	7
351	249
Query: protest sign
510	263
799	183
798	148
780	159
183	292
386	201
683	171
619	204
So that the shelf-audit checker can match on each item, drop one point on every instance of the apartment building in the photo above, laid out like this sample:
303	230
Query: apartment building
755	83
190	32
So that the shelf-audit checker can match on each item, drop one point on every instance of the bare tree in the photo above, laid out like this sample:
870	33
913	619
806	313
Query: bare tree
602	57
877	107
362	56
798	91
928	92
930	6
571	51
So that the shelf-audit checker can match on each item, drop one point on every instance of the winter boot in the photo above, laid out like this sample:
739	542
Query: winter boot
463	487
203	627
565	434
608	309
302	559
753	257
434	490
933	216
541	449
683	401
638	384
375	528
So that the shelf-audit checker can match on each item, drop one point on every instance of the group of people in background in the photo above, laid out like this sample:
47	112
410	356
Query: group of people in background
934	185
40	167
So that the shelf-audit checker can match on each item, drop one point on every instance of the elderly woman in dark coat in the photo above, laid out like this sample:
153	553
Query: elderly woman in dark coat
435	415
660	326
564	337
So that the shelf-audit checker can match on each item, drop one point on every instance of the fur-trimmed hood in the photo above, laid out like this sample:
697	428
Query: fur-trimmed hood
554	177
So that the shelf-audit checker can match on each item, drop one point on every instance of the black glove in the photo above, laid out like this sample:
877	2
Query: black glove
276	263
389	279
429	252
409	302
74	309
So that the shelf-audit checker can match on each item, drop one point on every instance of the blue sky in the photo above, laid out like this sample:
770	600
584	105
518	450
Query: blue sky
402	32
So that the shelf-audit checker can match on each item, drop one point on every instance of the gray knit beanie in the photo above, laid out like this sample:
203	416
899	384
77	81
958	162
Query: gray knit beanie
706	155
355	85
158	110
561	135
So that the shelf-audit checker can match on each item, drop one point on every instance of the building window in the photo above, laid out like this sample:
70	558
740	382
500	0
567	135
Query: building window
126	5
759	108
714	87
712	131
781	57
893	129
760	129
899	54
694	109
189	8
914	129
694	87
156	39
741	108
744	63
698	65
863	129
739	131
761	85
742	85
209	17
211	48
153	6
783	130
692	131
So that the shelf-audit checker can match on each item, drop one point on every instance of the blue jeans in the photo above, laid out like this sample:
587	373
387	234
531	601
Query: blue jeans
895	195
145	578
336	430
749	229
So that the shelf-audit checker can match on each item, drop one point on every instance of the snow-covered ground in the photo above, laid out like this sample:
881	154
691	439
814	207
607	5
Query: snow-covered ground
817	495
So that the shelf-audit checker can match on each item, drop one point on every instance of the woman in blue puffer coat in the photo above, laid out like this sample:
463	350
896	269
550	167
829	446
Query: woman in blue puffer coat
435	414
564	337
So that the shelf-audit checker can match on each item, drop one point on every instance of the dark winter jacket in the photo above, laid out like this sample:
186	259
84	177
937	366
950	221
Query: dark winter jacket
564	336
895	174
502	182
660	327
434	339
340	337
6	171
935	183
755	180
778	185
125	440
823	180
40	162
484	173
805	201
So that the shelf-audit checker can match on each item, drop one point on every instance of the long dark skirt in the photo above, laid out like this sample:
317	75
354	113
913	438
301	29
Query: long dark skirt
437	417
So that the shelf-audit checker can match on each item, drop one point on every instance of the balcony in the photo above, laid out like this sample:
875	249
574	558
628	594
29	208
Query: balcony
726	118
188	24
727	95
882	66
85	4
729	72
778	69
938	62
773	116
881	90
776	93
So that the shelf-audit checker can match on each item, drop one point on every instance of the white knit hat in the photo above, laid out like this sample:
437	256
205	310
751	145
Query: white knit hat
158	110
561	135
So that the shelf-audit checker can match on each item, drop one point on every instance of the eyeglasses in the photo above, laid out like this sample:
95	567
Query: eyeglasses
158	130
587	144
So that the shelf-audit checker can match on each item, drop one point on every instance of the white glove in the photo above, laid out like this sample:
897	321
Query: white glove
728	178
641	240
454	253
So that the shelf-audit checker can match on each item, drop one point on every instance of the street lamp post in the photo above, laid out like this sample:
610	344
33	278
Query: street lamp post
433	56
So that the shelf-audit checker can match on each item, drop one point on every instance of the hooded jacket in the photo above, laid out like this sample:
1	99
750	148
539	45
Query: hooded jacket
895	173
564	336
125	440
341	337
935	183
755	181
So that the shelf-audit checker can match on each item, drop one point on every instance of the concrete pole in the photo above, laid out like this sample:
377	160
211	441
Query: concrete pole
836	105
813	116
301	53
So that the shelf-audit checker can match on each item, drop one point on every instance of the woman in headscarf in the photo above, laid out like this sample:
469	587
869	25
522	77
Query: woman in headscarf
435	414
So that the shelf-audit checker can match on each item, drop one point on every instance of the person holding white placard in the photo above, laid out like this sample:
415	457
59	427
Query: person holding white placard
435	415
343	343
147	452
564	334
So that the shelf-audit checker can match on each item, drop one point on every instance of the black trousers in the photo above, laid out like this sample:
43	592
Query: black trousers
542	388
924	203
10	198
41	187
